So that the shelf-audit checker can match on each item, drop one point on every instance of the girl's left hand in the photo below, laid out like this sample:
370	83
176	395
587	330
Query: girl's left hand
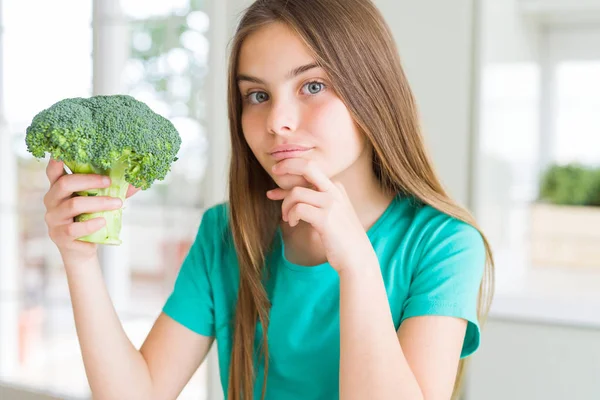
328	209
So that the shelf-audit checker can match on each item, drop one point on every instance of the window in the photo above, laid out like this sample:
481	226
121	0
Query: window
539	106
165	66
508	152
577	118
57	63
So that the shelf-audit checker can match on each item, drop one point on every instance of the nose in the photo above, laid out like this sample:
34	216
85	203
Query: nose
283	118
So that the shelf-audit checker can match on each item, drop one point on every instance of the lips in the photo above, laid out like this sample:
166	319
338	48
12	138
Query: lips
282	155
289	151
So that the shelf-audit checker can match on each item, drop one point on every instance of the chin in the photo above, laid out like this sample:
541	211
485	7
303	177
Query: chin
289	182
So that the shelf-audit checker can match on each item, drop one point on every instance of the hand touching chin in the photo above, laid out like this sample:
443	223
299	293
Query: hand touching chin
288	182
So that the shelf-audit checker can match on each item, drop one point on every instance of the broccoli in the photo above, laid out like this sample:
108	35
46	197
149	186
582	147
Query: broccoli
117	136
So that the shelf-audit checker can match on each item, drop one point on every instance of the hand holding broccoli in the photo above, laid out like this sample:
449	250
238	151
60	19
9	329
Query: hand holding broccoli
114	137
62	207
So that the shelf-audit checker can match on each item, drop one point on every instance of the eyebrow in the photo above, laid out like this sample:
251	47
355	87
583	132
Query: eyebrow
292	74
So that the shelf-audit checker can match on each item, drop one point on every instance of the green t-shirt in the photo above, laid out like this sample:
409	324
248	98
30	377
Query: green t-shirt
432	264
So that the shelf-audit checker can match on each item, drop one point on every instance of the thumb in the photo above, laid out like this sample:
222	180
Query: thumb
131	190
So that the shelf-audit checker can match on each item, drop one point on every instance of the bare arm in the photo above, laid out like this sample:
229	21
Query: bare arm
114	367
418	362
372	364
432	346
173	353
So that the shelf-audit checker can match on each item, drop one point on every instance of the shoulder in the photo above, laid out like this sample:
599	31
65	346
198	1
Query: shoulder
436	226
217	216
449	258
437	235
214	233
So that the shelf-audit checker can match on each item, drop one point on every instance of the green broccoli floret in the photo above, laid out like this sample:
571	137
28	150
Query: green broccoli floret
117	136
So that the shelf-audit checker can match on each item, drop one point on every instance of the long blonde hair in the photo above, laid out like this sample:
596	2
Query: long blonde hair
350	40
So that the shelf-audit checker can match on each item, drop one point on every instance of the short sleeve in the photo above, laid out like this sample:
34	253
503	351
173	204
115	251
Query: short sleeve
191	301
447	279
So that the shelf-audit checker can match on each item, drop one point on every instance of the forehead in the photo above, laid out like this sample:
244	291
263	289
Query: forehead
271	49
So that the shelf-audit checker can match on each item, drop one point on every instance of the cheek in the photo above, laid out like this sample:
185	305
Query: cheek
254	133
333	125
251	129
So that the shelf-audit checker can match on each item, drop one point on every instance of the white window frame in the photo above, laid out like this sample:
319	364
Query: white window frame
560	43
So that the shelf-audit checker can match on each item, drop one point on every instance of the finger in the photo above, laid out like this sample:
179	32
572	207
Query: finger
54	170
307	169
301	194
131	190
277	194
82	205
307	213
68	184
75	230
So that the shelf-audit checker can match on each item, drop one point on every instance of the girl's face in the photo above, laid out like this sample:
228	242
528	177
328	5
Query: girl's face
290	109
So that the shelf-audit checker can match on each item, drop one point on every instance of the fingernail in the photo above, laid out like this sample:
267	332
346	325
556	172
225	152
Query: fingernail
106	181
116	202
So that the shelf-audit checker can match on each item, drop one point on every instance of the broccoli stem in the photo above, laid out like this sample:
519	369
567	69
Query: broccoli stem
109	234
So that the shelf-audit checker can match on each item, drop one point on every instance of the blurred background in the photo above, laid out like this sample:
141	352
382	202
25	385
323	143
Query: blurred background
509	93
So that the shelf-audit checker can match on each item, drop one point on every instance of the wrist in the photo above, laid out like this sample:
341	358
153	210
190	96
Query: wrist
362	267
74	262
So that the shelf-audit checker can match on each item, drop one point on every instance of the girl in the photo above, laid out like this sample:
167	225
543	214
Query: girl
339	267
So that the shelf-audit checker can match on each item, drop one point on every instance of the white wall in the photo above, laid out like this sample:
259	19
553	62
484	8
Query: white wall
522	361
506	36
574	43
436	44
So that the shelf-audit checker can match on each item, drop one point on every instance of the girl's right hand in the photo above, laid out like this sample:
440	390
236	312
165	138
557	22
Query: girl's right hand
62	207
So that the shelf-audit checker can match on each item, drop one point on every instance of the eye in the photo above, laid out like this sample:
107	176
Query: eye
256	97
314	87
